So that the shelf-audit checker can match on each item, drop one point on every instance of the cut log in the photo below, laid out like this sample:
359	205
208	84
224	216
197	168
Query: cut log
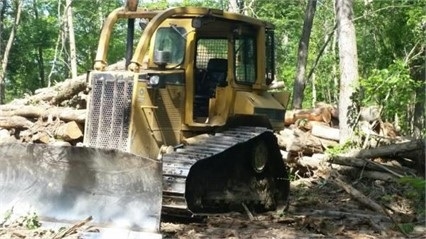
69	131
362	173
321	114
305	143
41	137
326	132
390	150
285	137
29	111
364	163
327	143
5	137
309	124
64	90
15	122
70	89
313	162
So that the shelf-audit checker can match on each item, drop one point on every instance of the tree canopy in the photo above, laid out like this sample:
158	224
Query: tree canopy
390	46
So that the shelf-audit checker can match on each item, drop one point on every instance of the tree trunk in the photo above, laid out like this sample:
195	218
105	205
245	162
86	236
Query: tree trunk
59	41
348	61
73	56
5	58
233	6
299	83
40	60
419	108
2	13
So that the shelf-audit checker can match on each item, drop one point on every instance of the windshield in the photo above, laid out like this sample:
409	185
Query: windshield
172	40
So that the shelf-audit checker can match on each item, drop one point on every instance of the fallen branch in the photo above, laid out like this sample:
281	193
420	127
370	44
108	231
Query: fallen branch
329	213
249	214
360	197
72	229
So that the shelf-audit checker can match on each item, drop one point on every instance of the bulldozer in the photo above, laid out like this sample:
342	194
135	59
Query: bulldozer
186	129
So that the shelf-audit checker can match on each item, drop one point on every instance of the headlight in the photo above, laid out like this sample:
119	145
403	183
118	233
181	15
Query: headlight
154	80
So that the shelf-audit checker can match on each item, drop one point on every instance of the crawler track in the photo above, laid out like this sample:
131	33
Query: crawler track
220	173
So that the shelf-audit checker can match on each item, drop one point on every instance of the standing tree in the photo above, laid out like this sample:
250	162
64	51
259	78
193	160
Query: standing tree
348	61
5	57
299	83
236	6
73	56
39	52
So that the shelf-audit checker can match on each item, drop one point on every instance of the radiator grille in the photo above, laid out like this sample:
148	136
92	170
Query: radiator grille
108	119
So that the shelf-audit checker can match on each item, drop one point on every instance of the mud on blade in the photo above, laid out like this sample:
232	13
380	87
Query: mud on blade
68	184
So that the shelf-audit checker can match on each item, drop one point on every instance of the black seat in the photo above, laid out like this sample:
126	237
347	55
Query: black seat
207	81
217	69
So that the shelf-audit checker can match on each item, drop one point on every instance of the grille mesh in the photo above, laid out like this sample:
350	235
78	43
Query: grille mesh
108	120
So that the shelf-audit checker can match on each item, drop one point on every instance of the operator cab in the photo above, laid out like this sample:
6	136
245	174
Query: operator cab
226	61
210	60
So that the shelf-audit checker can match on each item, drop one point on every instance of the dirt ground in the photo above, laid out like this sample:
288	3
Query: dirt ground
316	209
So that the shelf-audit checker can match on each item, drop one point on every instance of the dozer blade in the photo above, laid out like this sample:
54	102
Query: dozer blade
121	191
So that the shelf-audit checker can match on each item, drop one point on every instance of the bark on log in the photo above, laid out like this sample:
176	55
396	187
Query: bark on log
326	143
363	163
361	173
41	137
15	122
284	137
313	162
390	150
308	125
68	88
295	140
29	111
321	114
325	132
69	131
5	137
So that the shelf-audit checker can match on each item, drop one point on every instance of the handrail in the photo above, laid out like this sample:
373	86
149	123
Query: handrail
103	45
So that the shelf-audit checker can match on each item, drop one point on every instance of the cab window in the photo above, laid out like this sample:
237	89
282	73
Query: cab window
172	40
245	60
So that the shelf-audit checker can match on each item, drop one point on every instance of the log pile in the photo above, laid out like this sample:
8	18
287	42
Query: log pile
49	125
53	115
384	155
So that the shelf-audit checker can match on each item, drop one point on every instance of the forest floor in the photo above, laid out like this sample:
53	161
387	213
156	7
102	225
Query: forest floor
320	209
317	208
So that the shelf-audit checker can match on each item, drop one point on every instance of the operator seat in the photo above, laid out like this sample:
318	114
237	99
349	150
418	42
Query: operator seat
217	70
214	76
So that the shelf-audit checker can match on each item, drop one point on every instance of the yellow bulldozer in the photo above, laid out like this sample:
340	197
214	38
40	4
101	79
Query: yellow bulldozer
186	129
